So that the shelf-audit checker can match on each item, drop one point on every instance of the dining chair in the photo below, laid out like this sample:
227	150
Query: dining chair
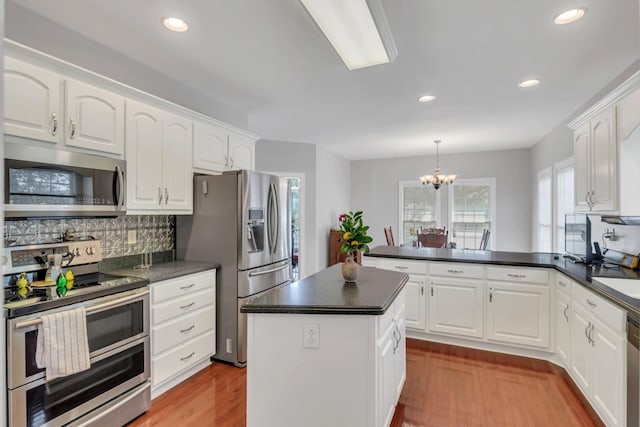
484	241
431	240
388	233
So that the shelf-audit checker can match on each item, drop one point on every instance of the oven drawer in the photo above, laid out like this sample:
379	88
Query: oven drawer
168	289
179	306
181	358
182	329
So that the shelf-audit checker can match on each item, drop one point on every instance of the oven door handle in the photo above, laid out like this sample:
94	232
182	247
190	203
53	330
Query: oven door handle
91	310
111	410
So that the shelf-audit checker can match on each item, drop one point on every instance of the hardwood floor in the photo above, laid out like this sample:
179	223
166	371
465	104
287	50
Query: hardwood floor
446	386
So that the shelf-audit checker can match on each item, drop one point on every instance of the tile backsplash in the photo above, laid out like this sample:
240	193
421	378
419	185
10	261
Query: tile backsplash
153	233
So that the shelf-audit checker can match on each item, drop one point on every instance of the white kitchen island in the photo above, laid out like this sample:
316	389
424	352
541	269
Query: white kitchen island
324	353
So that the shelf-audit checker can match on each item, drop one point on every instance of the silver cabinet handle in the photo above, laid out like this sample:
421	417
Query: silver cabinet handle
586	199
231	166
159	196
400	267
431	290
590	338
455	271
592	304
166	195
182	307
54	121
226	160
566	316
422	290
73	128
517	276
586	332
490	294
182	359
561	283
184	288
189	329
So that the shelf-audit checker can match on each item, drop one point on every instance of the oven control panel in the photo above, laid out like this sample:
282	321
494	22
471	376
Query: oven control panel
34	257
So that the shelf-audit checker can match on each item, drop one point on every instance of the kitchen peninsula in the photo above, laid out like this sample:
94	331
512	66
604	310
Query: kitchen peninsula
322	352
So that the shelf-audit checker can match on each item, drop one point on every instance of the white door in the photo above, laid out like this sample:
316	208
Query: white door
144	157
209	147
518	313
563	327
609	375
455	307
604	172
241	152
582	165
177	164
95	118
415	303
32	102
581	352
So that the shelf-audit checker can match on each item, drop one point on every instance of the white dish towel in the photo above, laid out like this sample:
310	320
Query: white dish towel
62	347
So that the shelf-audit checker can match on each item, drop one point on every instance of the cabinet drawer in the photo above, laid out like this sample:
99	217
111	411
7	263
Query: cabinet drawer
613	316
182	329
181	358
384	320
404	266
457	270
564	284
518	275
186	304
369	261
173	288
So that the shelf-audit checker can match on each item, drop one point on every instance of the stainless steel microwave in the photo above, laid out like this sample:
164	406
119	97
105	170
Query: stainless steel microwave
43	182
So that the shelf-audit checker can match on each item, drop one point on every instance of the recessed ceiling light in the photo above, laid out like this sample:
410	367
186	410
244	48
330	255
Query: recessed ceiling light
426	98
175	24
570	16
529	83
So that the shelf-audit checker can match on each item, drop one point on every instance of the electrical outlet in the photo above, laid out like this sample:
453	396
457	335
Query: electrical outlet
229	350
132	237
311	337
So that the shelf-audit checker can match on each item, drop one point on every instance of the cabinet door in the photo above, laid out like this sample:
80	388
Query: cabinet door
604	181
415	315
241	152
144	157
582	166
400	353
455	307
32	102
563	327
210	147
609	385
518	313
177	164
580	358
95	118
386	374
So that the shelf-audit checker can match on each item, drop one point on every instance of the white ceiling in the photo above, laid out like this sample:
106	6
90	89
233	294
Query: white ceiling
268	59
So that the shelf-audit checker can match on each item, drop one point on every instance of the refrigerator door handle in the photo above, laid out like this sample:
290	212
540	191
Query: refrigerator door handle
273	220
272	270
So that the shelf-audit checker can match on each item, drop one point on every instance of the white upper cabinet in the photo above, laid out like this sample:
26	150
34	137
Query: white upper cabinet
596	154
32	102
158	152
95	118
217	149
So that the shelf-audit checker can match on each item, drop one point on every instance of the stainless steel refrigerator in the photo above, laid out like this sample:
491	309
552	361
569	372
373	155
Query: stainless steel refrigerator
241	220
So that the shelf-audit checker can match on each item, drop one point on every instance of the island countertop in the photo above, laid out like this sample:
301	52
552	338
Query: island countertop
326	292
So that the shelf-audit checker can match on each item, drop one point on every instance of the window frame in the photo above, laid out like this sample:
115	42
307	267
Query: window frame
557	167
491	183
399	234
546	173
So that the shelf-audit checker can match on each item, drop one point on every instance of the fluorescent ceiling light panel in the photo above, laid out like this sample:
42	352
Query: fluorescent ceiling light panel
352	29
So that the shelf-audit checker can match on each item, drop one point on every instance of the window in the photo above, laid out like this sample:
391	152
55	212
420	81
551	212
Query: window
563	179
544	217
418	209
472	207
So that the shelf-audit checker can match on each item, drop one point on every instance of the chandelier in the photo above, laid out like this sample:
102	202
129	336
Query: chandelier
437	179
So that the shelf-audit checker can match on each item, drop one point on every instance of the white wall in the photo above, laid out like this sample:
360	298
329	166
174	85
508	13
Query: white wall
333	196
374	189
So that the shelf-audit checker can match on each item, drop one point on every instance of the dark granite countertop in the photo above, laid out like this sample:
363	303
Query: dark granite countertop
581	273
326	293
165	270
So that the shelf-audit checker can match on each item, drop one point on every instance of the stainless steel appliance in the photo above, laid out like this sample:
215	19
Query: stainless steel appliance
633	369
240	220
116	388
44	182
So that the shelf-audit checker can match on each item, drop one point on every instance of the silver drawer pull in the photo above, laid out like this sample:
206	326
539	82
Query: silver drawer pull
187	306
592	304
182	359
400	267
455	271
189	329
517	276
184	288
561	283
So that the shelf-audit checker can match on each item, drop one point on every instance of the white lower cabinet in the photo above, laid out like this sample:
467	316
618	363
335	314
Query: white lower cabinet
183	314
455	306
415	288
598	359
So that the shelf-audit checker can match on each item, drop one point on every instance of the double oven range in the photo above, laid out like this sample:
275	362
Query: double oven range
116	388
